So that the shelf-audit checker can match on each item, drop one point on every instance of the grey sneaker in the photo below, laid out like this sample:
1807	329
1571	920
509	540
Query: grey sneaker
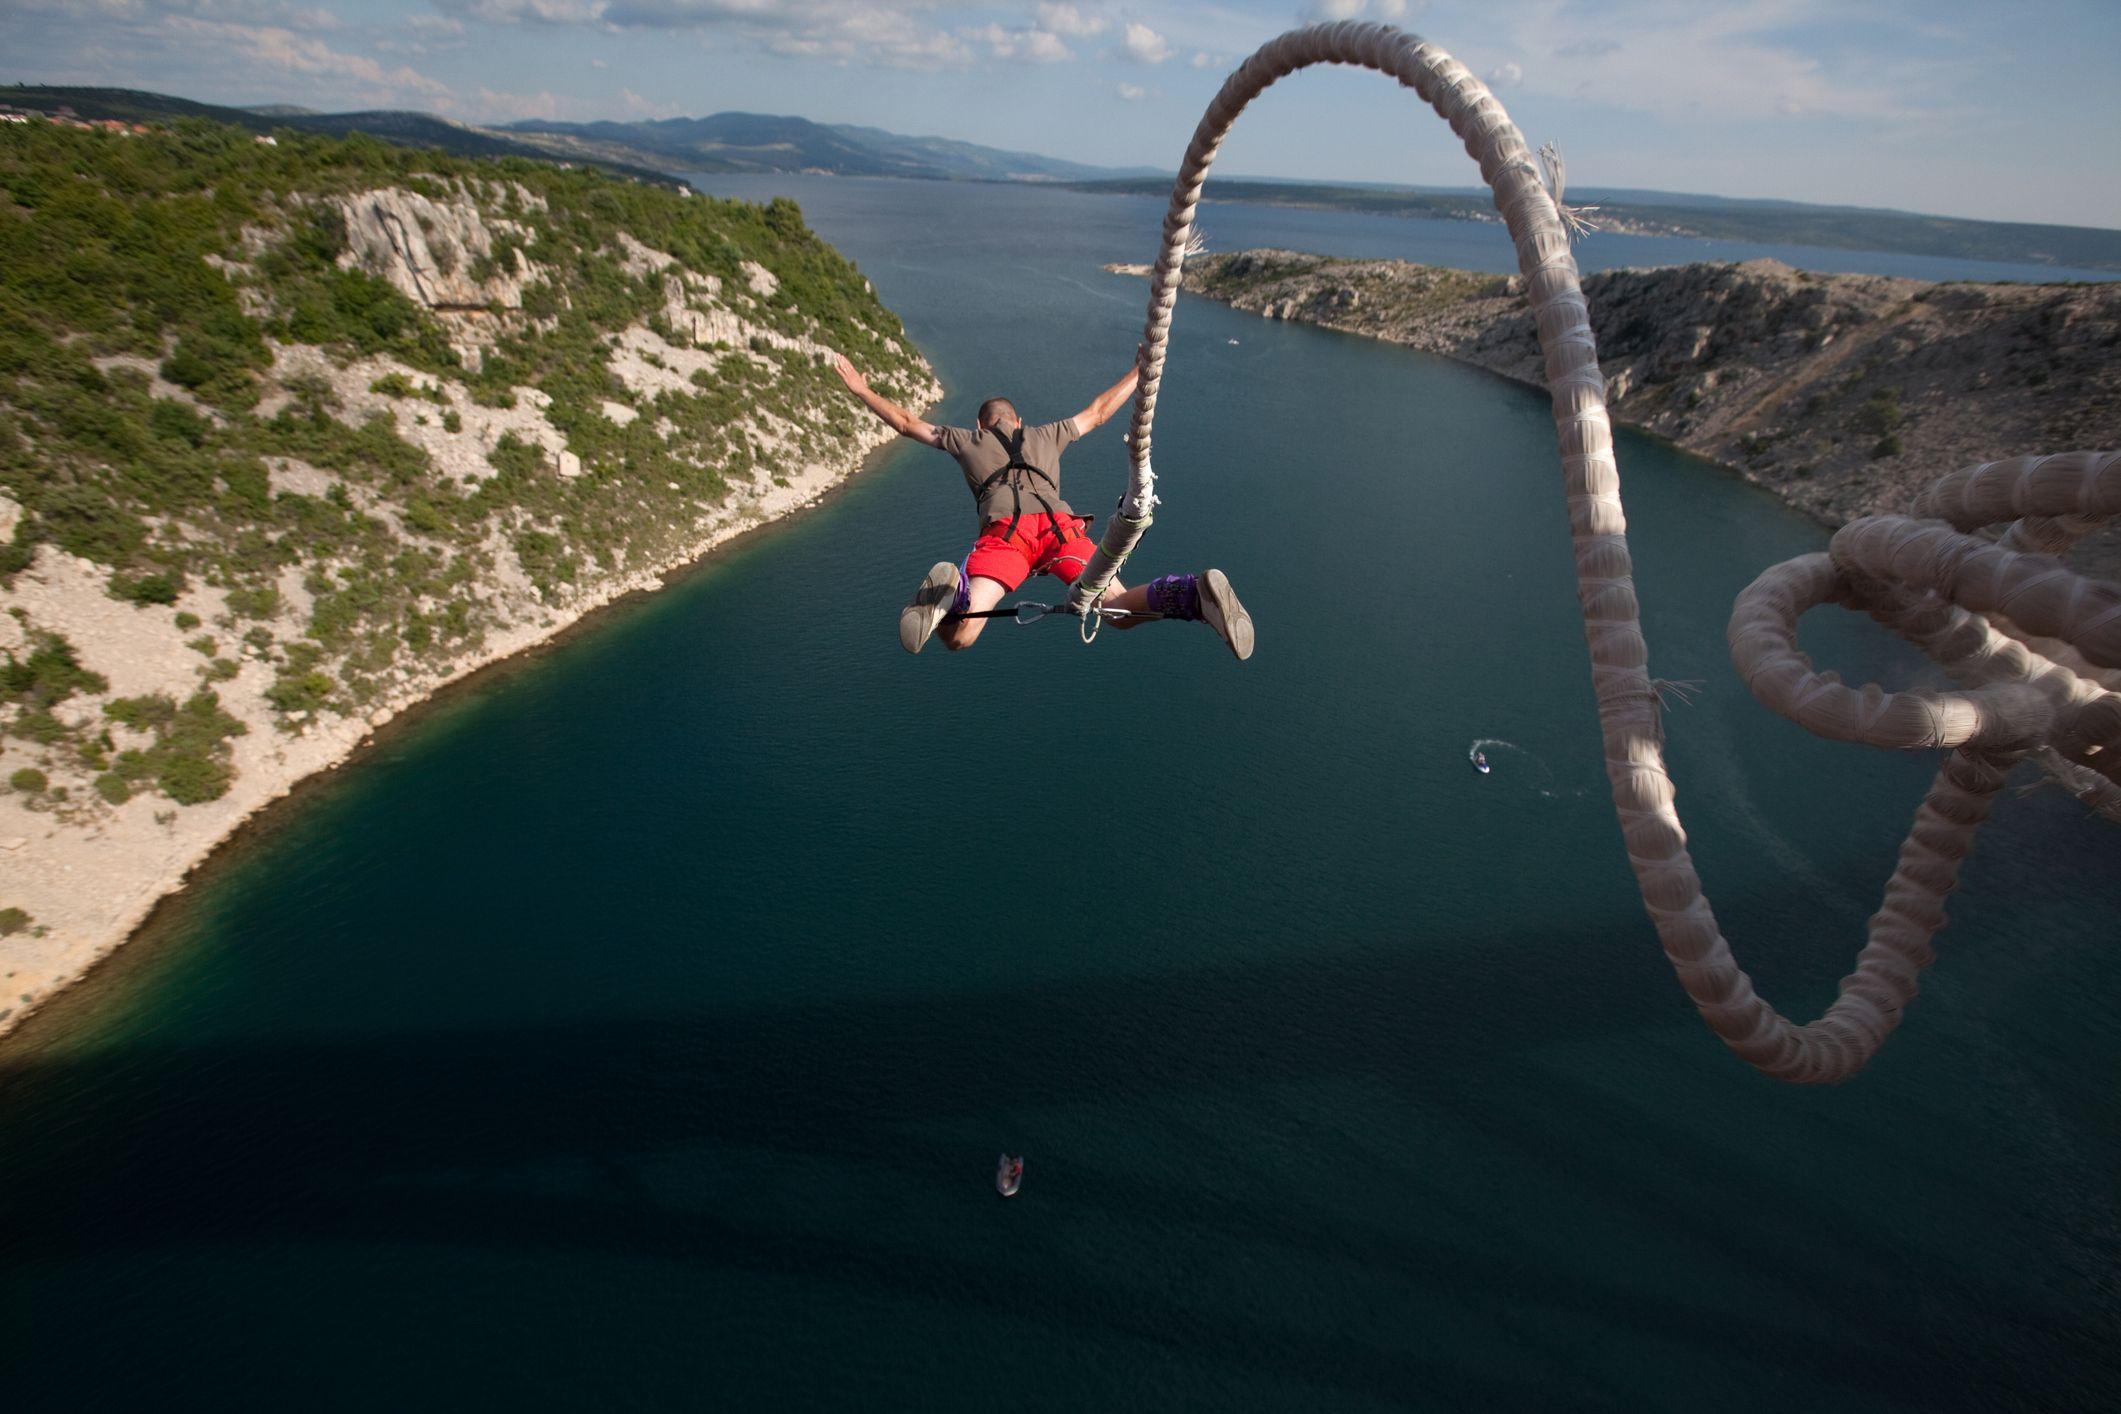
1222	612
917	621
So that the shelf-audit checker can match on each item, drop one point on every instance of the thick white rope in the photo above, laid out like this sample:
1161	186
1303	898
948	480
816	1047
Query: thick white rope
2038	687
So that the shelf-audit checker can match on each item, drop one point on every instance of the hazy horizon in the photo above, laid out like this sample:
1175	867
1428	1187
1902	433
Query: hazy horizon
1941	108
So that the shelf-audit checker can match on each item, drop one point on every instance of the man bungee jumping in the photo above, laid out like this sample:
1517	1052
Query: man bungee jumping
1026	528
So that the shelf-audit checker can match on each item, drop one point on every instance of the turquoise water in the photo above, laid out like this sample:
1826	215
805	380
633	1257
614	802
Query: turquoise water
639	1028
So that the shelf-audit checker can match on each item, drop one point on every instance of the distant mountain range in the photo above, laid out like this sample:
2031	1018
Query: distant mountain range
406	129
1722	218
665	150
762	142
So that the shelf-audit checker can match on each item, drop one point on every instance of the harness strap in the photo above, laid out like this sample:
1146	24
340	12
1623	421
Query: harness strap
1011	472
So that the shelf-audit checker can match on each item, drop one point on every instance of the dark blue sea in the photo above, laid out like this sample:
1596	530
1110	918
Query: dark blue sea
638	1028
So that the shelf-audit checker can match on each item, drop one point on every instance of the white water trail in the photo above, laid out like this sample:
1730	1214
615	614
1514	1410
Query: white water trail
1520	765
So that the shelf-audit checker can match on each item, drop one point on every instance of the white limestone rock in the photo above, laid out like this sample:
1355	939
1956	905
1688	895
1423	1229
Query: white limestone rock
426	249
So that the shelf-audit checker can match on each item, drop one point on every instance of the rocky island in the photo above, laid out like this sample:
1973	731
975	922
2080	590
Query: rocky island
1843	394
294	432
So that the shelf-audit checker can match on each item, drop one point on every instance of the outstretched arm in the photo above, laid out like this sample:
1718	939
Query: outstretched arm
895	417
1112	399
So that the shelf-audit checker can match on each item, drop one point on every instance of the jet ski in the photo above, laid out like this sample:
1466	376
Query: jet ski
1480	762
1009	1176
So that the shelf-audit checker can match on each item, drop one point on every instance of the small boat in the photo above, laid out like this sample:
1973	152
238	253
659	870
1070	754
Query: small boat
1233	343
1480	762
1009	1176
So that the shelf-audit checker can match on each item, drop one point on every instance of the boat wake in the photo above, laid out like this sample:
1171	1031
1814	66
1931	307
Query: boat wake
1519	766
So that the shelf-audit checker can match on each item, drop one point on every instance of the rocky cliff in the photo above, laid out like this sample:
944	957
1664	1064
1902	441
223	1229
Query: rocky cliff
291	436
1842	393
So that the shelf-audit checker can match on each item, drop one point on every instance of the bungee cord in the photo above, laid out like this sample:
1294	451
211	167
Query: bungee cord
2036	646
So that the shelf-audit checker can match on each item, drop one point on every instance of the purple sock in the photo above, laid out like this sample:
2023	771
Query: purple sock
1175	596
963	599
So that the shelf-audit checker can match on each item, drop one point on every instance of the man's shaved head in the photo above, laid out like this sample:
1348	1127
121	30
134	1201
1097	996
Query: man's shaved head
995	411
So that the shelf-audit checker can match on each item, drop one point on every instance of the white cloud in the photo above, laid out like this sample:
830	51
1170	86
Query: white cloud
429	33
1045	47
1072	22
549	12
1323	11
1144	45
1036	45
497	107
1132	92
283	49
890	34
1733	64
599	63
282	13
1200	61
1505	75
639	107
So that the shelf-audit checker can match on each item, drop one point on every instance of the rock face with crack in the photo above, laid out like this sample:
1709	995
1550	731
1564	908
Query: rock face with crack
438	253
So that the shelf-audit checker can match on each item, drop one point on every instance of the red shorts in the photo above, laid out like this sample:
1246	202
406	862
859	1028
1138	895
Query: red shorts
1037	546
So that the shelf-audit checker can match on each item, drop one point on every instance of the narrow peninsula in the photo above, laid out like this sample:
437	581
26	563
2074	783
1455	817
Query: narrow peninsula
295	429
1843	394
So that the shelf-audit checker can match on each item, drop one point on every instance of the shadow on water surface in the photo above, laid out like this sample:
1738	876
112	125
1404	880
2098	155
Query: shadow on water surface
423	1139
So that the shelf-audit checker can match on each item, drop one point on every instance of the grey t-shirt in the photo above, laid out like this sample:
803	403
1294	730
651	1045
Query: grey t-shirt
980	454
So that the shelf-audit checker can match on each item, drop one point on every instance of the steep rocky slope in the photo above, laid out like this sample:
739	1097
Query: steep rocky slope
292	435
1843	393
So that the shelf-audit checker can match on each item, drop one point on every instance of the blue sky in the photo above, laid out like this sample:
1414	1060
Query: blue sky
1963	109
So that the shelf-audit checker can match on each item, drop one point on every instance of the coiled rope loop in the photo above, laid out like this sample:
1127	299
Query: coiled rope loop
2036	644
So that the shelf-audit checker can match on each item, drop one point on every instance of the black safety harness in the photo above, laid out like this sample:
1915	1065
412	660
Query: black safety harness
1013	474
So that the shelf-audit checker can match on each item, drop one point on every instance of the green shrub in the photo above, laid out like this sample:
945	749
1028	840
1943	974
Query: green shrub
40	727
13	921
189	759
50	674
175	422
259	603
112	787
397	385
145	589
84	520
1880	412
215	357
452	421
186	619
222	669
514	457
545	559
299	692
192	778
17	554
1887	446
143	714
204	645
29	780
